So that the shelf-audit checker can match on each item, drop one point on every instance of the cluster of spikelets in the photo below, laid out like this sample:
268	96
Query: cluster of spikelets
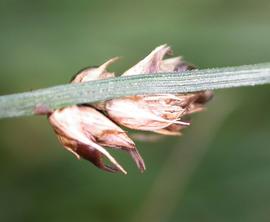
85	130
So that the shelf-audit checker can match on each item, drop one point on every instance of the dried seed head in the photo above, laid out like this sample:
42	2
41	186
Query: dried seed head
84	131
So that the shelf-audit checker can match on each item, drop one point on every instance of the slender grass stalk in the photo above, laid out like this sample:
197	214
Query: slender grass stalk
25	104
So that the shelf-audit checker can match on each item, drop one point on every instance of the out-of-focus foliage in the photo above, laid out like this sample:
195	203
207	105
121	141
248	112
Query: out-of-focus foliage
43	43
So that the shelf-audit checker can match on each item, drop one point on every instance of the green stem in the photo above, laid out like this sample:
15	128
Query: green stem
30	103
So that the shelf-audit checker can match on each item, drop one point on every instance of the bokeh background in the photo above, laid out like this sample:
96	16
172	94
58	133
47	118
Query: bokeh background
218	171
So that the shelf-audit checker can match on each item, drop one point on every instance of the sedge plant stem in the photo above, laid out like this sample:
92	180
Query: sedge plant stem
27	103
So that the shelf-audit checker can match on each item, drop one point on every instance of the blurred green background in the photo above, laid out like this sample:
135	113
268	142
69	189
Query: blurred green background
218	171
